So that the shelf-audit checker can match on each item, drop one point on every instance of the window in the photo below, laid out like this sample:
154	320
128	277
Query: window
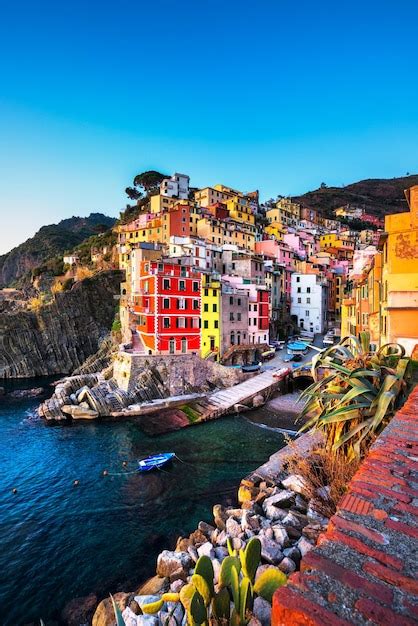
308	300
255	307
216	324
182	285
195	304
195	285
239	301
184	345
181	322
299	300
232	338
166	283
206	324
238	317
206	307
298	279
231	317
306	313
308	290
166	322
231	300
214	308
195	322
172	346
299	289
206	292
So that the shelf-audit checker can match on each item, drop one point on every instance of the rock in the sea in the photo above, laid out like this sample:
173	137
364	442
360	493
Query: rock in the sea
205	528
27	393
104	614
174	565
153	586
78	412
219	516
79	611
262	611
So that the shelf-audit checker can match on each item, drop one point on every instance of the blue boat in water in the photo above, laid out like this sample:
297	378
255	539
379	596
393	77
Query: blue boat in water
155	461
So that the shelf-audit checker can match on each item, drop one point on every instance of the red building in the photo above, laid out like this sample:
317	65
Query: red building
263	309
167	307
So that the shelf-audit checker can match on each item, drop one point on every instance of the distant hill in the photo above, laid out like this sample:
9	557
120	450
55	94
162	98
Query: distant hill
49	242
378	196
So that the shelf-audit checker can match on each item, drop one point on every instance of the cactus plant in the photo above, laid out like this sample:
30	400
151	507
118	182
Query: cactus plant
204	604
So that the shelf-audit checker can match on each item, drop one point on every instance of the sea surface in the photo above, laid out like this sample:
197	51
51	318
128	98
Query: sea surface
60	541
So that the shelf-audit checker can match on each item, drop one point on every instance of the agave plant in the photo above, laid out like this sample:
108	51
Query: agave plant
355	392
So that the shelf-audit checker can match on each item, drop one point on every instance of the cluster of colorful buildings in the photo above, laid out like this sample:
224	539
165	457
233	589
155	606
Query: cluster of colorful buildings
214	272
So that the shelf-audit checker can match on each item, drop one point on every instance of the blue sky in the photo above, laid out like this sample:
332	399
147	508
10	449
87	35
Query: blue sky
275	95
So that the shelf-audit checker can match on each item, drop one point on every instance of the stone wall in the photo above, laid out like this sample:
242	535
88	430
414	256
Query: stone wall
363	570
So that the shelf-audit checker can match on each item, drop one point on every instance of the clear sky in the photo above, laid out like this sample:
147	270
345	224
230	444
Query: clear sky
278	95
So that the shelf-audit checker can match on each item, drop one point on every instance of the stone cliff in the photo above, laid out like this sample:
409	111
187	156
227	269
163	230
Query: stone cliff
60	336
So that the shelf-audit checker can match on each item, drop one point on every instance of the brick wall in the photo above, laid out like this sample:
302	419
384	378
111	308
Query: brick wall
364	568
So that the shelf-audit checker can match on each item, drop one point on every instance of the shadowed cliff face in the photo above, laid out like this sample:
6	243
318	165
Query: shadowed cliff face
61	335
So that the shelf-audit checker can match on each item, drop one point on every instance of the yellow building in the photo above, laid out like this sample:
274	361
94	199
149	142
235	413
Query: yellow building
400	276
222	233
286	213
211	317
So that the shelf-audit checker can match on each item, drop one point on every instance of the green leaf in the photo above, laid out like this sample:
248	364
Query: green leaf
197	609
229	564
250	558
202	587
267	583
234	585
245	598
204	567
221	604
118	615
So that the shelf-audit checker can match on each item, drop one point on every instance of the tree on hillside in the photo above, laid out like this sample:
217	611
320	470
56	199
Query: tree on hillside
147	182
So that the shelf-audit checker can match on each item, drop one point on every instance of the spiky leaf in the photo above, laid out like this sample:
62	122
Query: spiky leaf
250	558
202	587
221	604
229	564
198	609
204	568
186	595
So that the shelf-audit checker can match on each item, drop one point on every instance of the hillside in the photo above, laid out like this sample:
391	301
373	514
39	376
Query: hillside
49	242
379	196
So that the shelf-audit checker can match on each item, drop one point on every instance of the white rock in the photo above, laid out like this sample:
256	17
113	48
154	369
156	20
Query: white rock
233	528
206	549
287	566
296	483
304	546
280	535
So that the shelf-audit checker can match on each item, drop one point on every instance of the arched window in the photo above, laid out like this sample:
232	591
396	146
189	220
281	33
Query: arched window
184	345
172	346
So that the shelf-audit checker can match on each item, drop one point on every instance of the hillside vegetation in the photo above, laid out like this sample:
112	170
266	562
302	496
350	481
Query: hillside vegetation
378	196
49	244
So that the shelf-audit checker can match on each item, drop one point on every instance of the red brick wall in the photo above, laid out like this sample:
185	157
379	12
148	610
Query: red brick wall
363	570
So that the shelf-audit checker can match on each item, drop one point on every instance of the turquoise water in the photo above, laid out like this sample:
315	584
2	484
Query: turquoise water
59	542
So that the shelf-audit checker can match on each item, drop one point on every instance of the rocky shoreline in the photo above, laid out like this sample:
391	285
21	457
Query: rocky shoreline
274	505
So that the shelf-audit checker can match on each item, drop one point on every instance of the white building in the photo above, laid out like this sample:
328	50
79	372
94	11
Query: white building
190	247
71	259
176	187
309	301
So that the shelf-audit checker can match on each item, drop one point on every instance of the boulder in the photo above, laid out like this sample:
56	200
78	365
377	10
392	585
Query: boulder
292	520
197	538
280	535
233	528
174	565
262	611
153	586
205	528
221	553
78	412
193	553
287	566
182	544
304	546
271	551
296	483
206	549
273	513
221	538
176	586
293	553
80	610
282	499
104	614
301	504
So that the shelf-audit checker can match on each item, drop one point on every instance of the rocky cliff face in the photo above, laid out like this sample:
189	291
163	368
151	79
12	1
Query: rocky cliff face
62	335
